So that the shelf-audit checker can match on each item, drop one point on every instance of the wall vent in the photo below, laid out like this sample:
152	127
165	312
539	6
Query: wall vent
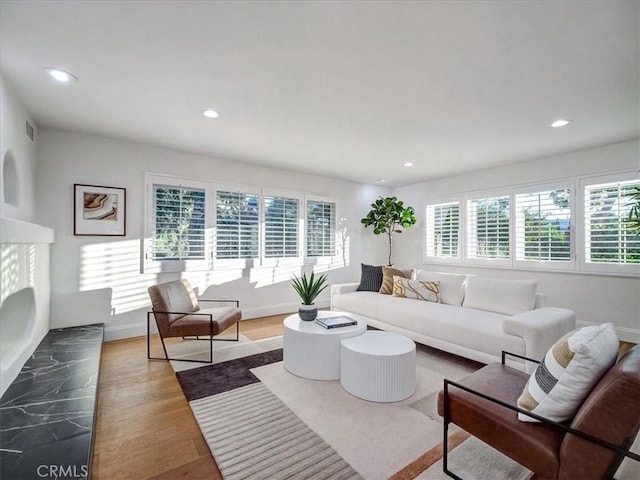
30	131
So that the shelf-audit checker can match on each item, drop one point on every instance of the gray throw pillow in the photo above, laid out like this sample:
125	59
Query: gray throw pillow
370	279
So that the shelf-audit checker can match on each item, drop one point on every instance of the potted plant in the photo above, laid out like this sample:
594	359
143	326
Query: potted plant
387	215
309	288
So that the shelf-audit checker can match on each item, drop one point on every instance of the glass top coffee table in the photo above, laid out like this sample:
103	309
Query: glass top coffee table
312	351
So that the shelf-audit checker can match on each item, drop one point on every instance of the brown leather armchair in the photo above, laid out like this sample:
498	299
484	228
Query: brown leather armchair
178	314
590	446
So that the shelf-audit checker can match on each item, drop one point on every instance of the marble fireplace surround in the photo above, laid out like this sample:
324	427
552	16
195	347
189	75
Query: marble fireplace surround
49	378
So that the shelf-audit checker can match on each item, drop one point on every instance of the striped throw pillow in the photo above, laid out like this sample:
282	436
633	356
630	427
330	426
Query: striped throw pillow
370	278
568	372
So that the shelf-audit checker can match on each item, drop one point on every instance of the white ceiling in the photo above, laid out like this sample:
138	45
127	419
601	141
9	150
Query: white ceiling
348	89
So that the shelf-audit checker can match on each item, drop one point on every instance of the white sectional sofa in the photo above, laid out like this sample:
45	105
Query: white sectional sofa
476	318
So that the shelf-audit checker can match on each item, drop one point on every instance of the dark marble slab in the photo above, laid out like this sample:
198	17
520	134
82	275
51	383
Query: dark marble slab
47	413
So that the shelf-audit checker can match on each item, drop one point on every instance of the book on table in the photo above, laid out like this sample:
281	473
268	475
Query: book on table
335	322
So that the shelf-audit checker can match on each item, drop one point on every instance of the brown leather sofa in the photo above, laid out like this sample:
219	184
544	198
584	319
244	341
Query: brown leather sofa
177	313
590	446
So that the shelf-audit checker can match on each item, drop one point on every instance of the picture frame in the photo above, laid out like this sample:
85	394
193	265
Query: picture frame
99	210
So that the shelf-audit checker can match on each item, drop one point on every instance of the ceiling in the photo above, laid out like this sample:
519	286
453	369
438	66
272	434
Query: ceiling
346	89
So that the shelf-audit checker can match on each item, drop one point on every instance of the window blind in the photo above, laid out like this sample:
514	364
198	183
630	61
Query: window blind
609	239
488	228
321	228
237	225
443	226
179	223
281	237
543	226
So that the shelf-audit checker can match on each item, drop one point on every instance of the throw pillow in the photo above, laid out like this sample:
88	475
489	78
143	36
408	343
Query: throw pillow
416	289
387	278
370	278
568	372
508	297
451	285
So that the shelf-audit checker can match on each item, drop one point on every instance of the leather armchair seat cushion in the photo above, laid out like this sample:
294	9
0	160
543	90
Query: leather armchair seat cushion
187	325
533	445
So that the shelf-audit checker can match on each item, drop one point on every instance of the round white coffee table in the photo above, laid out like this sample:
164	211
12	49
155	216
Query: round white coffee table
379	366
312	351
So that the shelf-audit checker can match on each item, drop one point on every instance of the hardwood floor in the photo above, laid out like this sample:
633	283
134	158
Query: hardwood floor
145	428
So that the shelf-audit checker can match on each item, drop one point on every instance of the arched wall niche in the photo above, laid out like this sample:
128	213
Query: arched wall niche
10	180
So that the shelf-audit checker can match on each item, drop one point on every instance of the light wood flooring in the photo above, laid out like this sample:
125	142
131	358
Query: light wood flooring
145	428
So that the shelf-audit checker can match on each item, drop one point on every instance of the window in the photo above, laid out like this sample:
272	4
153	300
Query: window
176	225
195	225
443	227
179	223
543	226
281	238
237	225
252	224
488	228
321	228
609	239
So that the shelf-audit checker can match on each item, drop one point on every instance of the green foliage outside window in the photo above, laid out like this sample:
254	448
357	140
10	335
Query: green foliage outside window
612	239
179	223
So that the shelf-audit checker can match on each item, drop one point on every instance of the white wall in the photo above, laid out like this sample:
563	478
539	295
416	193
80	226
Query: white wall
14	143
24	246
98	279
594	298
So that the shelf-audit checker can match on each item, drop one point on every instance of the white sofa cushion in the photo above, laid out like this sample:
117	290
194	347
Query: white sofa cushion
451	285
509	297
570	369
474	329
416	289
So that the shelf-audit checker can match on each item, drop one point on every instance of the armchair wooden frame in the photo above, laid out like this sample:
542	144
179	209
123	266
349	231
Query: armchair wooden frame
210	337
621	452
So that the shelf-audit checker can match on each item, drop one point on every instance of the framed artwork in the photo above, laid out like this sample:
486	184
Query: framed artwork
99	210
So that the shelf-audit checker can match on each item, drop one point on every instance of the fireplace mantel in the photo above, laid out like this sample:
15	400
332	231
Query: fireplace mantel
17	231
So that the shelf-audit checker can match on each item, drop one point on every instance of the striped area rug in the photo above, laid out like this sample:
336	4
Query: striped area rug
253	435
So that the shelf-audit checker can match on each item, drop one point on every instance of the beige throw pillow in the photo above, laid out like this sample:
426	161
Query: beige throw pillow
387	278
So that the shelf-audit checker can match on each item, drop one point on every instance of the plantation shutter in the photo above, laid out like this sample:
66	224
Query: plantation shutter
609	239
178	223
488	228
281	227
543	226
321	228
443	226
237	225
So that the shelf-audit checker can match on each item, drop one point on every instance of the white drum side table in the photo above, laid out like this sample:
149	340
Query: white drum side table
312	351
379	366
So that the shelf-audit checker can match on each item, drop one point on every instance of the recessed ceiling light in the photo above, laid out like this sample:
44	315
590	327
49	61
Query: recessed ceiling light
408	164
60	75
380	180
560	123
209	113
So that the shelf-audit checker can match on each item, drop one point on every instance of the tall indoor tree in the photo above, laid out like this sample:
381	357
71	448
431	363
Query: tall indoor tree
387	215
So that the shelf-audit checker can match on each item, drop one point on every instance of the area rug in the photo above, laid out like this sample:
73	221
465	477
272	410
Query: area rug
255	416
379	440
222	350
